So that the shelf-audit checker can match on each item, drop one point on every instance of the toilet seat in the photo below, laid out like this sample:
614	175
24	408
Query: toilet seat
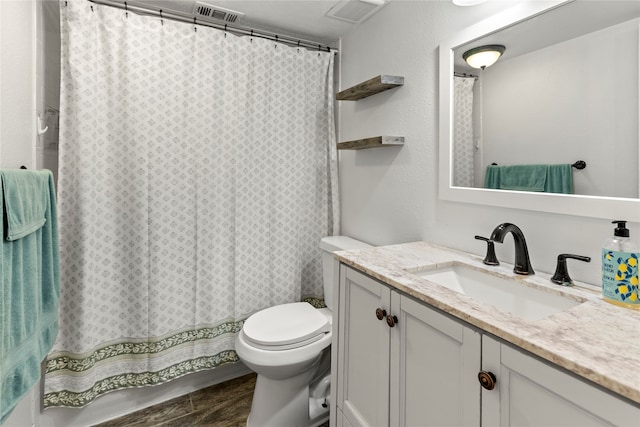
286	326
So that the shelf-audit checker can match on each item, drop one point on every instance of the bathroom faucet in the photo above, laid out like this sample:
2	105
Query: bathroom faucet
522	262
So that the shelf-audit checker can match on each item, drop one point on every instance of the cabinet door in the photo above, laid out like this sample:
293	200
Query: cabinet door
435	361
363	355
530	392
341	421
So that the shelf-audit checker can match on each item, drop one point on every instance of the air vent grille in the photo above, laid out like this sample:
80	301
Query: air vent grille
355	11
216	13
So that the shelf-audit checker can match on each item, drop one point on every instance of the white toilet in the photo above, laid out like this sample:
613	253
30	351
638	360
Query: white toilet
288	346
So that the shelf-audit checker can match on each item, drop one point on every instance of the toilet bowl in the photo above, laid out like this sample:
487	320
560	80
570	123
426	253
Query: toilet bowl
288	346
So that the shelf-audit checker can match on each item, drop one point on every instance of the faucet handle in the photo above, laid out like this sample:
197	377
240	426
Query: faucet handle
561	276
490	258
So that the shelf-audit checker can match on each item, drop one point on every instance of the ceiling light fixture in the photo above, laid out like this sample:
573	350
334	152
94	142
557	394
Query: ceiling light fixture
483	56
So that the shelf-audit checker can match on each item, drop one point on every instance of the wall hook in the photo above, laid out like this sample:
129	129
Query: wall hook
40	129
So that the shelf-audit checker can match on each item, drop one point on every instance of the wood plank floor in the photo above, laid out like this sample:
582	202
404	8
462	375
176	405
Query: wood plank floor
223	405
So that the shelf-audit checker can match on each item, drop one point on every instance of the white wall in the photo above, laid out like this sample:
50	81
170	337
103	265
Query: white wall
17	80
48	83
17	132
390	195
577	100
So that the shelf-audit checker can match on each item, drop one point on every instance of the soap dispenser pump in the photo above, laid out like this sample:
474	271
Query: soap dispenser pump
620	268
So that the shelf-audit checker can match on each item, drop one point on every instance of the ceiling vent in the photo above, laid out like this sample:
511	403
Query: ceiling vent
355	11
210	12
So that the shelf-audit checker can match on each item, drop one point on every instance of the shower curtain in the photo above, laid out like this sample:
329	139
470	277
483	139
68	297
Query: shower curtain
197	176
463	150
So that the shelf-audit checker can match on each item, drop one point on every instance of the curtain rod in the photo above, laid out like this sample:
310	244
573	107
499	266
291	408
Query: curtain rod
243	31
459	74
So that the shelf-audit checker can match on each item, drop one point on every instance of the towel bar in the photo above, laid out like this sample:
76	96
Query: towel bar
580	164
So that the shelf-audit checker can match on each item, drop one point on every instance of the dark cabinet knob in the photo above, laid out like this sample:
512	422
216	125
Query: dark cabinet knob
380	313
392	321
487	379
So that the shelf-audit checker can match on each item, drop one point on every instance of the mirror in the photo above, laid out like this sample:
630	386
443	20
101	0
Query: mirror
573	67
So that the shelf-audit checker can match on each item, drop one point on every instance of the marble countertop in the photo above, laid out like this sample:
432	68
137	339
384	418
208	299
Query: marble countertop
595	339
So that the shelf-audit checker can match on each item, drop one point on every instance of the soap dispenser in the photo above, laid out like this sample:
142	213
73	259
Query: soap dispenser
620	268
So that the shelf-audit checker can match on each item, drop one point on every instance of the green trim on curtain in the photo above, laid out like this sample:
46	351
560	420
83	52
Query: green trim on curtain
71	399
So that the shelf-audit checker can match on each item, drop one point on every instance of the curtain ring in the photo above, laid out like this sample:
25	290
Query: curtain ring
225	31
126	10
195	29
161	18
276	45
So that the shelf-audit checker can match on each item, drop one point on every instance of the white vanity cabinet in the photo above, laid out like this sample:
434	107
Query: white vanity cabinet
418	367
412	367
530	392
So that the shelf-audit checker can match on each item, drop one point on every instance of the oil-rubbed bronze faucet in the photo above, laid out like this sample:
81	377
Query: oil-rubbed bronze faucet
490	258
522	262
561	276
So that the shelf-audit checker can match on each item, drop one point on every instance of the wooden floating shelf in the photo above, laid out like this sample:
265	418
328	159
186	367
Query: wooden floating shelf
376	141
370	87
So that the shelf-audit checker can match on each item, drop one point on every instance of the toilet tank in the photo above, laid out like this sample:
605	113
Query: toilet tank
329	245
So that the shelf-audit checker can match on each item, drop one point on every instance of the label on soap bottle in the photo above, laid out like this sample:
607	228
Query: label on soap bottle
620	278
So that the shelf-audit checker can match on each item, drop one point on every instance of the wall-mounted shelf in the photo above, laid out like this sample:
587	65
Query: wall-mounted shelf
376	141
370	87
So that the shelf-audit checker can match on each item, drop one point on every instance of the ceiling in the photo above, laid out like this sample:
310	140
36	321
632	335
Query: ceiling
304	19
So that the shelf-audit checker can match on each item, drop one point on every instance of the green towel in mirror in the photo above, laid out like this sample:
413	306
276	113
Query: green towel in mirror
538	178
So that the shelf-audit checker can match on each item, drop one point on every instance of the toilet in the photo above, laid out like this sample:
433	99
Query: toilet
288	346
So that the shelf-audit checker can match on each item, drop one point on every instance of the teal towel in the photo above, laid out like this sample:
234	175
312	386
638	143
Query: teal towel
492	177
539	178
29	292
25	201
559	179
523	177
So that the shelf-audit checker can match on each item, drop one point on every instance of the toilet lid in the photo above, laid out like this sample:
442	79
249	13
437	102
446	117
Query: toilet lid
284	326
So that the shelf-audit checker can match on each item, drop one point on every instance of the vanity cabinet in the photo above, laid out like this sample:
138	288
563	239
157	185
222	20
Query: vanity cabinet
402	363
530	392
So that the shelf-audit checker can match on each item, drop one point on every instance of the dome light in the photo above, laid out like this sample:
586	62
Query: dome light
483	56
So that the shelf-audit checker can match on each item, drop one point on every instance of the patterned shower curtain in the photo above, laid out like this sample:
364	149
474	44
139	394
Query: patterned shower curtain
197	176
463	150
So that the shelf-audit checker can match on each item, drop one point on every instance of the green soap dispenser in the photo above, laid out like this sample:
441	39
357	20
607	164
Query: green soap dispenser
620	268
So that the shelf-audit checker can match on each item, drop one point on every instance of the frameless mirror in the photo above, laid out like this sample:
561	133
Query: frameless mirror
565	90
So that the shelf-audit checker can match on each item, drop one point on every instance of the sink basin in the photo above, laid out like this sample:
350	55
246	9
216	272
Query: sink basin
504	293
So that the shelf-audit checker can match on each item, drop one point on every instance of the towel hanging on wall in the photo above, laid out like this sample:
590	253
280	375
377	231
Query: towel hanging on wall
29	281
